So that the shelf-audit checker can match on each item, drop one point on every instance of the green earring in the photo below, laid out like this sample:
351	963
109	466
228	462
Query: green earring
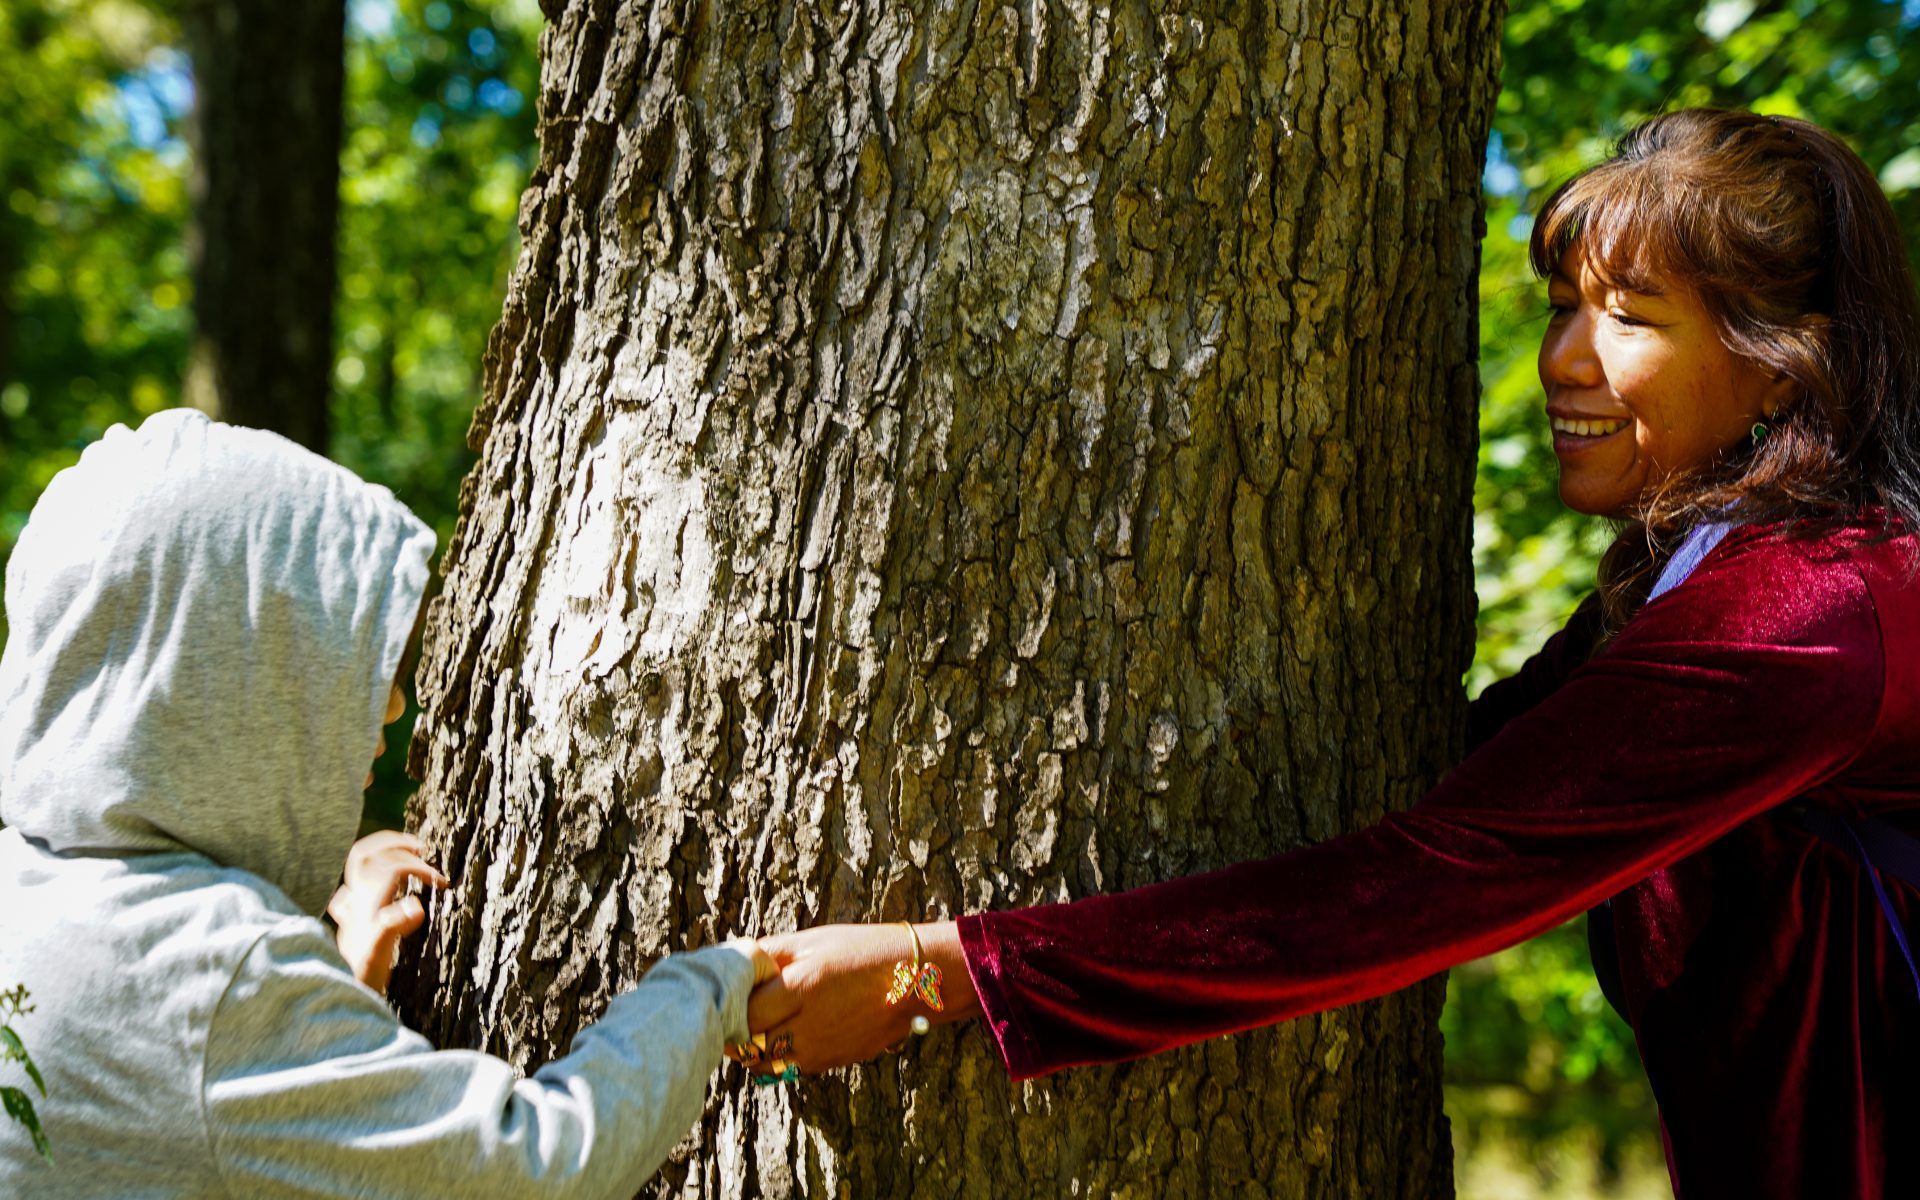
1760	432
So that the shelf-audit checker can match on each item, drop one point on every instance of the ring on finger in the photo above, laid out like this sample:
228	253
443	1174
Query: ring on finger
777	1055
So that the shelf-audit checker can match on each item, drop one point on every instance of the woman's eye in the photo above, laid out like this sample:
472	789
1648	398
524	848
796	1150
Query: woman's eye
1622	317
1558	308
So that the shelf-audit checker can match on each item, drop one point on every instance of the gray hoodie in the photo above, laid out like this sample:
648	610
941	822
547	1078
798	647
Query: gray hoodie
204	622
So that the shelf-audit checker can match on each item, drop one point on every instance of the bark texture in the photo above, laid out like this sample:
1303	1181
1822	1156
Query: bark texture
265	133
949	455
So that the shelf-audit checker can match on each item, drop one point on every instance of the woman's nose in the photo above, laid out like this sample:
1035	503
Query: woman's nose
1568	358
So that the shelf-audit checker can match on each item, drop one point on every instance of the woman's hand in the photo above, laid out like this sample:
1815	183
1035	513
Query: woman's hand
831	996
372	911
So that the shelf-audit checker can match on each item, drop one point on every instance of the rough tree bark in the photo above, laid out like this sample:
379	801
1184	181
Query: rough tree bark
949	455
265	184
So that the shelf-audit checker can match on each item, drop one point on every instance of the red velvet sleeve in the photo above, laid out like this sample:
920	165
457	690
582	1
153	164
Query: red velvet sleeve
1758	678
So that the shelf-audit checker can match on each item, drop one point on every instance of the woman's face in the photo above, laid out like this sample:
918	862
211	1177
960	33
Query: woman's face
1639	385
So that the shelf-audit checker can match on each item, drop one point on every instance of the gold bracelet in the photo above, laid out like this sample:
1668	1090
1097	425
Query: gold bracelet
920	979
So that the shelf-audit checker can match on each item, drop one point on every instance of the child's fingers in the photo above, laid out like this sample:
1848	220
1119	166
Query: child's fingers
372	852
340	907
402	917
764	966
387	839
414	868
387	872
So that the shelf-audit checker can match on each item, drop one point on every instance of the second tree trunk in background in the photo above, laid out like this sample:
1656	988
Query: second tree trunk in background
265	182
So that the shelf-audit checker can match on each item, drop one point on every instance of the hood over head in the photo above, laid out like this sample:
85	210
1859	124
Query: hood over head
203	624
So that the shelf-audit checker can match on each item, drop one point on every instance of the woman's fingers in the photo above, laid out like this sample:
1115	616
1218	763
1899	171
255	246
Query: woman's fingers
772	1003
781	946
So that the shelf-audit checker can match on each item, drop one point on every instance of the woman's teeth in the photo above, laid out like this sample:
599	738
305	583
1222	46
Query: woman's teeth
1586	428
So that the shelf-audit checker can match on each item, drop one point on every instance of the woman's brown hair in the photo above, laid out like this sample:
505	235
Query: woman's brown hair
1785	237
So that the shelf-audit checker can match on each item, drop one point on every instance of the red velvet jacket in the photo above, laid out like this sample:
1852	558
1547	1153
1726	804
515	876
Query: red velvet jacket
1777	1020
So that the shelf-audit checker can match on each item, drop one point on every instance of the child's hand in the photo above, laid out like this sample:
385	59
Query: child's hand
372	910
764	967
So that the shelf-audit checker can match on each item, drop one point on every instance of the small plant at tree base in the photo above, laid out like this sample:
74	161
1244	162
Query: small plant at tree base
15	1100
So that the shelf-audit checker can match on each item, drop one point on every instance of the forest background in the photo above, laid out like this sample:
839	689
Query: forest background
96	327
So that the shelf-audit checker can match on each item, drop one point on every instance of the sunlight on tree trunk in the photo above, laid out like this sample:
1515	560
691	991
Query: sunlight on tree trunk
943	457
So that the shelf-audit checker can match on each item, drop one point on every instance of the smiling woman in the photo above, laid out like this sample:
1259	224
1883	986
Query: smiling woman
1640	386
1735	289
1733	369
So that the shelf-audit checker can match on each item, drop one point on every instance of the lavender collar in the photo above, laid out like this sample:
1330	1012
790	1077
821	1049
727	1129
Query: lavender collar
1695	546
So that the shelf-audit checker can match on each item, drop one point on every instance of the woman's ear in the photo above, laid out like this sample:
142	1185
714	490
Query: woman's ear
1780	393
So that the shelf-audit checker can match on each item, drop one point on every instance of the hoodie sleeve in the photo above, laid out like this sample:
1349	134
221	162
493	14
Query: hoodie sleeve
312	1086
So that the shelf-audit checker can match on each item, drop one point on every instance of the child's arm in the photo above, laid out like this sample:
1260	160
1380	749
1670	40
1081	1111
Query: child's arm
313	1087
371	912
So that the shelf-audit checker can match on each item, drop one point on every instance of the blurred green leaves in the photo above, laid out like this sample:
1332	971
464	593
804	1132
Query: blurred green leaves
93	302
439	141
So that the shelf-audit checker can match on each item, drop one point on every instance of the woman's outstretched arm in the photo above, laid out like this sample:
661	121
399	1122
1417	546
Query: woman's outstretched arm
1717	703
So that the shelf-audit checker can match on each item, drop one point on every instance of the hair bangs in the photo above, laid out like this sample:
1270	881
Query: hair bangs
1624	221
1785	237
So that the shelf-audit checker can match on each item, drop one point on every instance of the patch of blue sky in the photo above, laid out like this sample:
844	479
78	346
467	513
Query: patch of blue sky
153	98
500	97
1500	177
371	18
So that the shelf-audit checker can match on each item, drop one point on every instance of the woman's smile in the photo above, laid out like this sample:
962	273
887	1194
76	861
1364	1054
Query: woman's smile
1575	436
1639	386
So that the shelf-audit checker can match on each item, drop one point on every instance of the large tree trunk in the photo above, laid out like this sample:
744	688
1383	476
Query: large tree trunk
946	456
265	132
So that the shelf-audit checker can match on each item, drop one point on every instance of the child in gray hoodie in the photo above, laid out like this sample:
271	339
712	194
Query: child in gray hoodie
205	626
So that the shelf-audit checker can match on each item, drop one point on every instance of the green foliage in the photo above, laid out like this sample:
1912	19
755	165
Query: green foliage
95	299
19	1105
94	321
439	142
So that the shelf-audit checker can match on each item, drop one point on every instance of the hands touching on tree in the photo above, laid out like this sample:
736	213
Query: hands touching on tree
829	996
371	909
826	997
829	1005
